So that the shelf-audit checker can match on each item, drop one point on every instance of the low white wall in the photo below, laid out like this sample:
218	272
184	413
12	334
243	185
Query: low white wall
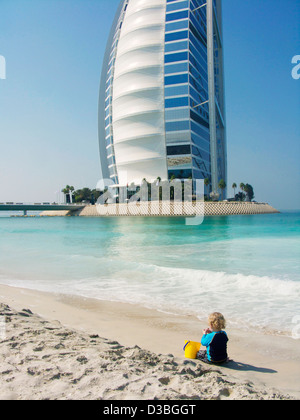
175	209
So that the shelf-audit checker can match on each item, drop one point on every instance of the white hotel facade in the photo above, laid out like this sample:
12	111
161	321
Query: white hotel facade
161	106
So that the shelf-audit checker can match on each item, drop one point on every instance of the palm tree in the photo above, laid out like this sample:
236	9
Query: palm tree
234	186
222	186
71	190
206	183
66	191
249	192
85	194
242	186
158	181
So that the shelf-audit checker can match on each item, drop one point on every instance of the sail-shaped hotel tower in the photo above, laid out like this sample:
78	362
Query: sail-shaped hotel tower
161	106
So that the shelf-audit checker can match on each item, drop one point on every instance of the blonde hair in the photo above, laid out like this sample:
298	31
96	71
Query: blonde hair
217	321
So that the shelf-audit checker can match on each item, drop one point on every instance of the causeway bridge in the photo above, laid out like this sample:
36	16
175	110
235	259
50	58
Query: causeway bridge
25	207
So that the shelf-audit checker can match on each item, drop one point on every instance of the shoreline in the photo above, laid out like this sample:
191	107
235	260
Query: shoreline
268	362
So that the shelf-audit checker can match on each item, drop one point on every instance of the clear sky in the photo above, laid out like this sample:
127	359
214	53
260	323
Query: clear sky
49	99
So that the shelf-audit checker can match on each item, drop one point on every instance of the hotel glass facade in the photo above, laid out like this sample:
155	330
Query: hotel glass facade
161	108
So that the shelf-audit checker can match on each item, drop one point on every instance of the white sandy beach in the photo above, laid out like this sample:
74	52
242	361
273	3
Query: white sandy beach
63	347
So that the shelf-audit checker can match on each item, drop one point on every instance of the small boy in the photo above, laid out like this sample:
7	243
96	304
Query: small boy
215	340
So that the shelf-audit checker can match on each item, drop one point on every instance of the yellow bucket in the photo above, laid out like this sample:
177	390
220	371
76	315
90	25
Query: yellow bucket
191	349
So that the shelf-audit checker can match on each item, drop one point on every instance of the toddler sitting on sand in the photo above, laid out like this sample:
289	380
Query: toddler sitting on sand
215	340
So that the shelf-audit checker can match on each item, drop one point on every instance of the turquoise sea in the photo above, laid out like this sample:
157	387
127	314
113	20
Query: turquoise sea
247	267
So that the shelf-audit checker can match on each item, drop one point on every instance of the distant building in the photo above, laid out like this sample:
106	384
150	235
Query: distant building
161	107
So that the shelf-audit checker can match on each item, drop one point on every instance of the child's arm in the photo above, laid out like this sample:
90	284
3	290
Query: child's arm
206	339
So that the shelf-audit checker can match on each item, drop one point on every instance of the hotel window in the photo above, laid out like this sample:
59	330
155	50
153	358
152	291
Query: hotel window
177	6
178	150
175	26
176	68
199	119
176	46
200	153
180	174
176	90
172	58
176	80
176	102
177	125
175	36
201	138
200	174
177	16
173	114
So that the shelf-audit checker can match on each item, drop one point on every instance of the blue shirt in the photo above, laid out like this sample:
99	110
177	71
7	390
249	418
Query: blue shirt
216	343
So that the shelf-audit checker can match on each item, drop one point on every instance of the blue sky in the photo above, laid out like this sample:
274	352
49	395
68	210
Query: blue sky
49	100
